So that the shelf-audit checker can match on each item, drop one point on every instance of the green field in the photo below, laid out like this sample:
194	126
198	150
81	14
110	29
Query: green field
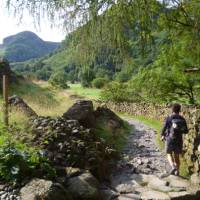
91	93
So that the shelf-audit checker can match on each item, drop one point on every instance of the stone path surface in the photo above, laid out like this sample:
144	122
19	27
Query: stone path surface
141	154
142	172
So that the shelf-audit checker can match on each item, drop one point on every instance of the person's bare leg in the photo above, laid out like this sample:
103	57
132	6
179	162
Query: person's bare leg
171	159
177	161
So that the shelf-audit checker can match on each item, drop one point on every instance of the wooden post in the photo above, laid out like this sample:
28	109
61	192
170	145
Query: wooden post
5	97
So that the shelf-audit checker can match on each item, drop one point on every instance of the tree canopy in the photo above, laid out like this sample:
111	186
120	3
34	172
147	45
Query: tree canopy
141	40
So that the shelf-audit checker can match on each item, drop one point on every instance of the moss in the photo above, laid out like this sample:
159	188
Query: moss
184	168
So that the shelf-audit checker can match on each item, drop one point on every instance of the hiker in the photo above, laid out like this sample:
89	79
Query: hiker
174	127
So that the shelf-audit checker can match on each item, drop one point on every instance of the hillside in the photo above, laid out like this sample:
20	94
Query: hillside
24	46
145	63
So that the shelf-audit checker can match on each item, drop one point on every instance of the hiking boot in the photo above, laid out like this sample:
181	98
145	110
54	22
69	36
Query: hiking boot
176	173
172	172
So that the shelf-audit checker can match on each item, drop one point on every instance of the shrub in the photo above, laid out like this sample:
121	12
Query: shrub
59	79
18	161
99	82
16	165
122	77
119	92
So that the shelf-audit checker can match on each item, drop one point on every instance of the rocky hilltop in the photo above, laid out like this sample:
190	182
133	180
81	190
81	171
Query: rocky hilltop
26	45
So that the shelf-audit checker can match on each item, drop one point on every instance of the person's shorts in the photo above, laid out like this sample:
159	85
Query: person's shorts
173	146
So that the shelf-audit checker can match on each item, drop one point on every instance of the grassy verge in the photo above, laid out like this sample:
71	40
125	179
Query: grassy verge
155	124
116	139
42	98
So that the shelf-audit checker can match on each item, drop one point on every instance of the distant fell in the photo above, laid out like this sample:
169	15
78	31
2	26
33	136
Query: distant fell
24	46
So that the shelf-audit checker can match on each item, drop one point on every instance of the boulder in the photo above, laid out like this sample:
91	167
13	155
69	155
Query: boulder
21	105
108	116
129	197
82	111
159	185
177	182
108	194
151	194
180	195
84	187
41	189
195	179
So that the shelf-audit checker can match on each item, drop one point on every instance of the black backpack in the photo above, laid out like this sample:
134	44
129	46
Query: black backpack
177	126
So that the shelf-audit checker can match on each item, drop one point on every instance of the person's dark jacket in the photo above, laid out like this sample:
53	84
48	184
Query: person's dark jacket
166	128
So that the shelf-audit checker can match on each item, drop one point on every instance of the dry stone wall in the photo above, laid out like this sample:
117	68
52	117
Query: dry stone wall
159	112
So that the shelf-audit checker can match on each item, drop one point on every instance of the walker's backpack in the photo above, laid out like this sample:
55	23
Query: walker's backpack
177	127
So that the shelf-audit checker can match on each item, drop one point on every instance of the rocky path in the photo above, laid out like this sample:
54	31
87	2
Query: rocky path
141	155
142	172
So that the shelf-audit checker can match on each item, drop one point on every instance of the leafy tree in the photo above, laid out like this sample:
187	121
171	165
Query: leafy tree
86	76
122	76
119	92
161	85
158	40
43	74
102	72
59	79
99	82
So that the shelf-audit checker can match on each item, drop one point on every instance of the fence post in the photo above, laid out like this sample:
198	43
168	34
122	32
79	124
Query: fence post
5	97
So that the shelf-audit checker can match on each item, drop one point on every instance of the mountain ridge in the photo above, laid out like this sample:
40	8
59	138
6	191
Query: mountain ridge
26	45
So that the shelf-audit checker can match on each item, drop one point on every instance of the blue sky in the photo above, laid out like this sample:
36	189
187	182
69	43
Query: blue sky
9	25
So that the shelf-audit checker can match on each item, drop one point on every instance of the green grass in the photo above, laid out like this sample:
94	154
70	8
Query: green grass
46	100
90	93
42	98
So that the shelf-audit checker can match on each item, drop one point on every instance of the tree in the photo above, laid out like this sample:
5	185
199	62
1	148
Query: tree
160	36
59	79
99	82
119	92
166	85
122	76
86	76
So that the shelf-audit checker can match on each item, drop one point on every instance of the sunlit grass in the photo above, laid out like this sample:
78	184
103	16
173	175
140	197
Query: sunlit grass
42	98
91	93
46	100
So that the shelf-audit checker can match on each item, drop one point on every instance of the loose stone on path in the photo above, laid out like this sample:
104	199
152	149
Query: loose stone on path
141	151
142	172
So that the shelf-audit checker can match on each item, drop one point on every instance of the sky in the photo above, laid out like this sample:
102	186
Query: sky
10	25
